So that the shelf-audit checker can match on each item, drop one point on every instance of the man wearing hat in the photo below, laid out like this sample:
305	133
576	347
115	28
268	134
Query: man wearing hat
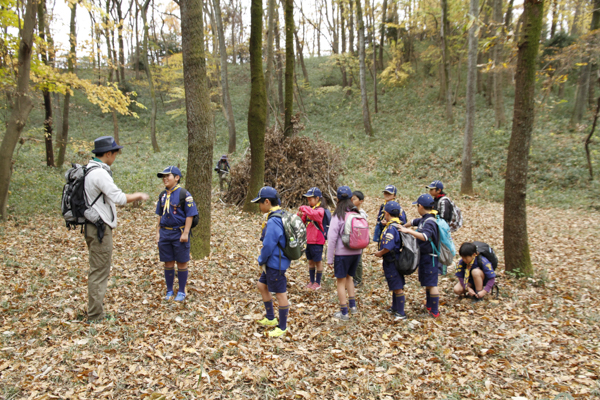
441	202
102	194
223	169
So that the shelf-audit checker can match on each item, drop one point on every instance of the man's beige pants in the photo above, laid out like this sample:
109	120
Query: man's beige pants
100	262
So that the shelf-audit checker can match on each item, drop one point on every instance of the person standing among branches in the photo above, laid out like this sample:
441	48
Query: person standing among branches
222	169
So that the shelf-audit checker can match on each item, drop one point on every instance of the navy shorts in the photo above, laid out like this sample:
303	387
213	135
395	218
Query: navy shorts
428	273
314	252
171	249
275	280
394	280
345	265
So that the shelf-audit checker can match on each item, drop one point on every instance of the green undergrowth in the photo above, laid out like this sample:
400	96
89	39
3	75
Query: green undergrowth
412	143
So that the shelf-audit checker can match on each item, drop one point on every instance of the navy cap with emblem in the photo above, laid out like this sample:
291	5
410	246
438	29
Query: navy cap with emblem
344	192
313	192
390	189
171	169
425	200
104	144
266	192
392	206
436	185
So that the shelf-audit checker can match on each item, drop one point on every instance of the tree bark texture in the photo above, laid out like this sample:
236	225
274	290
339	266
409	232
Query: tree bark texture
149	77
516	246
498	70
289	67
351	29
22	105
121	45
199	122
446	61
271	98
279	57
46	94
257	112
299	50
363	70
64	134
343	29
227	106
381	42
374	45
466	186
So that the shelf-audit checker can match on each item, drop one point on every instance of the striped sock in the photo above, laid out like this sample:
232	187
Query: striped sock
311	272
169	279
283	315
270	311
182	276
394	304
319	275
435	303
344	309
352	302
400	300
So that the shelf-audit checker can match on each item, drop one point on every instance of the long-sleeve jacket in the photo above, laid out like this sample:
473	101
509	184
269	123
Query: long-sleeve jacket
273	240
336	246
442	205
311	216
99	181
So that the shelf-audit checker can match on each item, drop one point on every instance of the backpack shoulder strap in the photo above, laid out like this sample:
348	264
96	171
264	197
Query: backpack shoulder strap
159	196
86	171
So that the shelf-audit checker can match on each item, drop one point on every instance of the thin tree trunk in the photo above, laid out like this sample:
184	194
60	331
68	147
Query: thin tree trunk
289	67
47	99
115	126
199	122
233	15
351	29
381	42
109	52
299	50
498	98
121	45
64	134
554	18
144	10
466	186
588	138
516	246
22	105
446	61
508	15
227	106
137	42
257	112
270	59
279	57
373	42
343	25
363	70
576	25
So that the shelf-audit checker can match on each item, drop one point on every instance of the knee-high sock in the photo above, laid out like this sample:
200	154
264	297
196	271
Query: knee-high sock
283	315
428	296
319	275
435	303
344	309
400	300
311	273
169	279
351	302
394	304
270	310
182	277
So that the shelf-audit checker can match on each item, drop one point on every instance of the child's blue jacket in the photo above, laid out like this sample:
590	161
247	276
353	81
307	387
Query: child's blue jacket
273	239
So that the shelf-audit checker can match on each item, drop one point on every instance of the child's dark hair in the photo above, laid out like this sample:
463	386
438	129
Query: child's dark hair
343	206
274	202
467	249
359	195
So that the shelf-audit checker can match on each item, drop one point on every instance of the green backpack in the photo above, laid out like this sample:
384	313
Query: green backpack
295	234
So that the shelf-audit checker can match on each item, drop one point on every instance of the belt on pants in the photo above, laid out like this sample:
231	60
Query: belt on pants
172	229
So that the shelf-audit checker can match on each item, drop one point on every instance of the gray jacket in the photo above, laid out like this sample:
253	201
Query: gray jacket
100	180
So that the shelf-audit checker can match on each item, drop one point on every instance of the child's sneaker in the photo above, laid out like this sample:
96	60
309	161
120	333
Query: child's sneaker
399	317
169	295
353	310
390	311
340	316
269	322
432	314
180	297
310	285
277	332
316	286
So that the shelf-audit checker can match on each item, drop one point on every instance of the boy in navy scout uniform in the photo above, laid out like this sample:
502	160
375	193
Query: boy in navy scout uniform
173	231
273	262
389	194
427	231
389	244
475	273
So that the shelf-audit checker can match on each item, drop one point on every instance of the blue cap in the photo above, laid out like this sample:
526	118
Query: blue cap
425	200
224	157
171	169
390	189
392	206
435	185
105	144
313	192
266	192
344	192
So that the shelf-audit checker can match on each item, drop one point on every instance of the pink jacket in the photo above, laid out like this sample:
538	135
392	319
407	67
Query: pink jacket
336	246
313	234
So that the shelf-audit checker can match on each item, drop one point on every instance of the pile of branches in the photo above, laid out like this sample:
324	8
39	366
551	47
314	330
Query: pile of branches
292	166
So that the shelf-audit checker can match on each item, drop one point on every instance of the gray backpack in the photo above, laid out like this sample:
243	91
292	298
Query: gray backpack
407	259
295	234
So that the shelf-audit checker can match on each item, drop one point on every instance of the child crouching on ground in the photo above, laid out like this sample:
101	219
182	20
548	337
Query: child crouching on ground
389	245
474	272
312	216
273	262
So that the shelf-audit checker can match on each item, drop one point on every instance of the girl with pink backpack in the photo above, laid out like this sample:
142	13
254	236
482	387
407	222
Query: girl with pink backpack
348	235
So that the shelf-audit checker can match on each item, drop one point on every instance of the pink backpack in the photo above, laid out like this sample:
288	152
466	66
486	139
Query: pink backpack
356	231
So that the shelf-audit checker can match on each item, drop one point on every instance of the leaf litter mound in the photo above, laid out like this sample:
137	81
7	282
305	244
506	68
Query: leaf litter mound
292	166
539	340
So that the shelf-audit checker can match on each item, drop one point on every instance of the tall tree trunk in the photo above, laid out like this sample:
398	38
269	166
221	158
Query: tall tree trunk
47	99
71	59
270	60
144	10
121	45
199	122
554	18
299	50
374	45
22	105
137	42
224	79
508	15
576	25
444	31
351	29
498	70
279	57
381	42
516	246
233	16
257	112
466	186
363	70
107	33
289	67
343	25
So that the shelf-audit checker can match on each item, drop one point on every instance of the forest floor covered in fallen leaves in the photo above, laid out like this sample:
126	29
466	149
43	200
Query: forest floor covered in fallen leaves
539	339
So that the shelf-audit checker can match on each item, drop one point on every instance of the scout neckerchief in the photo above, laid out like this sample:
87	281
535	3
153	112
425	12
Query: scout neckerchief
468	270
168	200
391	221
381	217
309	220
275	208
